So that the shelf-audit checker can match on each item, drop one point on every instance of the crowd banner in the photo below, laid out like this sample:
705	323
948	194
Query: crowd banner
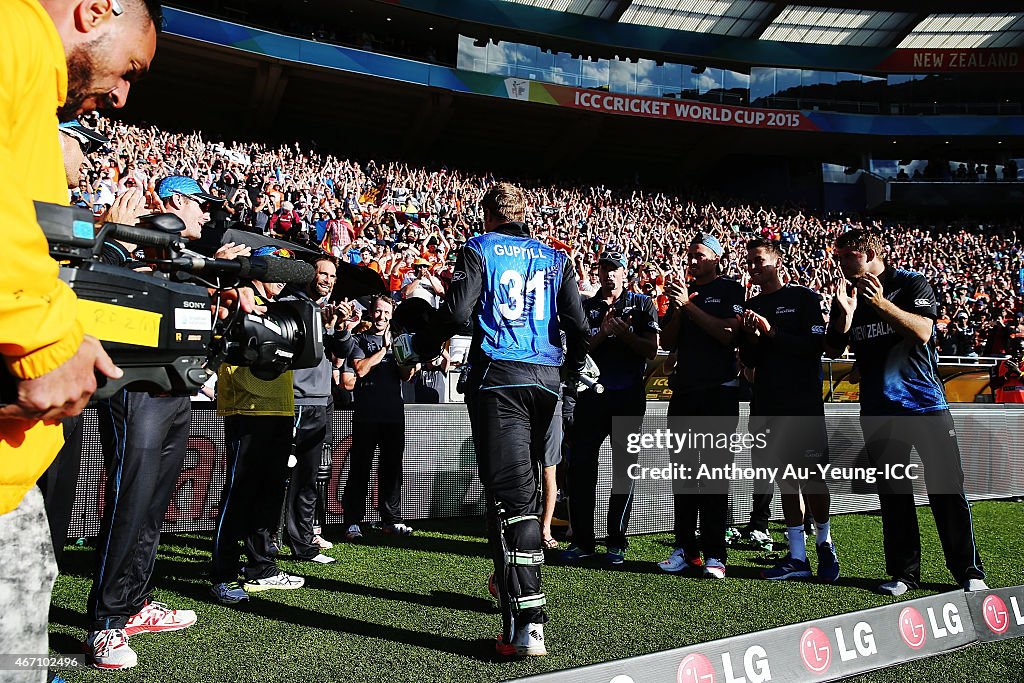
825	649
658	107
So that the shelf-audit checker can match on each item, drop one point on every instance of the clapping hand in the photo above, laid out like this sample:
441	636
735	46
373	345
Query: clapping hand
847	302
871	289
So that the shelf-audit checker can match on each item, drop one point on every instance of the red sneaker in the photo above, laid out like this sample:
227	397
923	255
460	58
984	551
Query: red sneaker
157	617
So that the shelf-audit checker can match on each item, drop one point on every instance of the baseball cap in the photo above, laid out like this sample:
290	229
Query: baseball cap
422	262
90	140
182	184
613	258
709	241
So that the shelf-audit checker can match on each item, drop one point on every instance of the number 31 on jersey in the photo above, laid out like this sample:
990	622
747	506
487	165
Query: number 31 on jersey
518	294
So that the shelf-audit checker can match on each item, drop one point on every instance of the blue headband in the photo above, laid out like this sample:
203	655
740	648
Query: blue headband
709	241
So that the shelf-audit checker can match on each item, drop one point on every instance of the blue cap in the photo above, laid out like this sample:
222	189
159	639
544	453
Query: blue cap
709	241
182	184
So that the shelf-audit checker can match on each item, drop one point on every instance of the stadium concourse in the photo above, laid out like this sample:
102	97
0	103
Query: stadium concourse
387	214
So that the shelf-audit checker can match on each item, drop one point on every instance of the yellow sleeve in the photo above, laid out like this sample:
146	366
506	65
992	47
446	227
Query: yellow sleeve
39	329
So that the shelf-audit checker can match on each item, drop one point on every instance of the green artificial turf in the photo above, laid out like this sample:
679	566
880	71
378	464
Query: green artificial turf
417	608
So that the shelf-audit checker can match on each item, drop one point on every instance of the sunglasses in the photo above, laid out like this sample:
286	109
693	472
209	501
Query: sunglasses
613	255
204	205
87	146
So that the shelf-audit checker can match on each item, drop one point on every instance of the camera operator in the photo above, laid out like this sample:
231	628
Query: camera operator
312	388
144	441
59	482
54	59
378	420
258	435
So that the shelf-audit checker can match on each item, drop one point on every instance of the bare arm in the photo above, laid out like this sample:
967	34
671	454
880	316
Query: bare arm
916	328
644	344
723	330
364	365
550	494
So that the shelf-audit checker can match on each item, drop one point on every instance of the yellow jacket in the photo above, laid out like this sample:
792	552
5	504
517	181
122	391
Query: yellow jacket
39	329
239	392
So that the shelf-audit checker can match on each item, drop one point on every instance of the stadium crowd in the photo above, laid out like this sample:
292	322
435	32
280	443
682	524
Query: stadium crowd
524	250
389	216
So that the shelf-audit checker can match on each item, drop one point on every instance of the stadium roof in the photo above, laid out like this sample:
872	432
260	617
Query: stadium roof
823	25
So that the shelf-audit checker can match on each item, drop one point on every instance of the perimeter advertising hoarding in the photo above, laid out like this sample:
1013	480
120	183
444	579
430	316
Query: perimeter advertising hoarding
827	649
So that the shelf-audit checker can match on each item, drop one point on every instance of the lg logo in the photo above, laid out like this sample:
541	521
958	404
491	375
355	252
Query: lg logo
695	668
912	628
815	650
997	617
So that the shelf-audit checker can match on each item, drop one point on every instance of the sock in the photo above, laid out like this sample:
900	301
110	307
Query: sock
797	542
824	532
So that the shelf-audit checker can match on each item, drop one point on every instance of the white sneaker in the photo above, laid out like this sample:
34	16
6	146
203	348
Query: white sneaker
322	543
281	581
714	568
893	588
678	562
396	529
971	585
157	617
108	649
761	538
527	641
322	559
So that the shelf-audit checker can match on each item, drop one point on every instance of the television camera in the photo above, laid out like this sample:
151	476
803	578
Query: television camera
163	328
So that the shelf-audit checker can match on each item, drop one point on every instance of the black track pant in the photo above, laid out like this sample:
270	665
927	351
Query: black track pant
716	411
591	426
60	482
254	488
509	427
311	431
888	441
144	440
366	436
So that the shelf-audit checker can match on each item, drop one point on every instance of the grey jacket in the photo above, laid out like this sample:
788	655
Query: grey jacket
312	386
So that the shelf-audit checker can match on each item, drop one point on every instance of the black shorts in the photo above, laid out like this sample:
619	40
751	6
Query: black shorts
800	441
553	438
